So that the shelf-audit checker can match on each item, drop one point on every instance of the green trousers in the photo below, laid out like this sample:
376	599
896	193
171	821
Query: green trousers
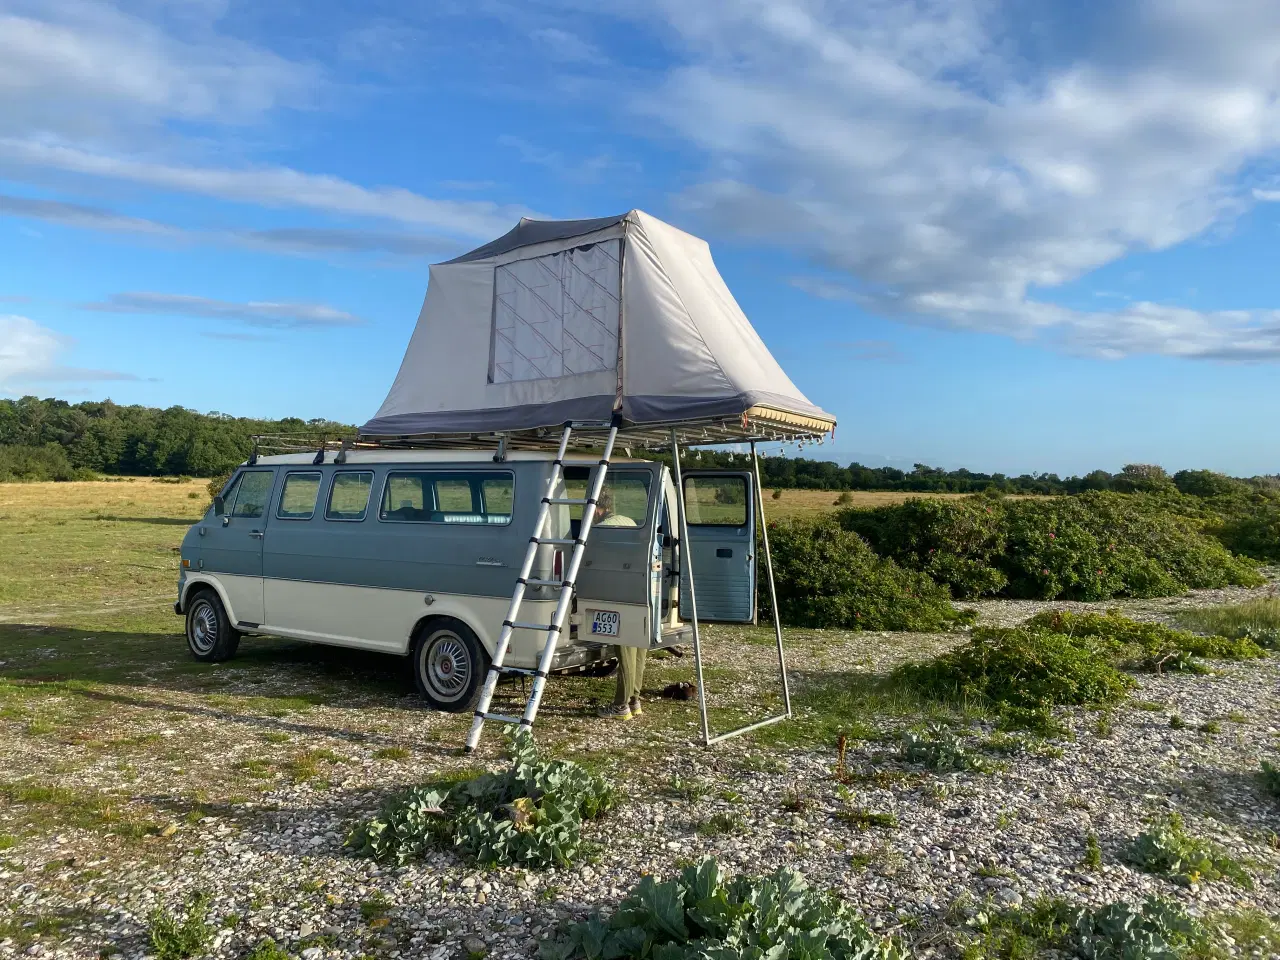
630	674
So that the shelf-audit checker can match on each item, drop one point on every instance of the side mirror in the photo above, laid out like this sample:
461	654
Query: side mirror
218	506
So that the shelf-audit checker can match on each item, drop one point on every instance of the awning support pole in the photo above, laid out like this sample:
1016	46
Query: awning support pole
686	557
773	590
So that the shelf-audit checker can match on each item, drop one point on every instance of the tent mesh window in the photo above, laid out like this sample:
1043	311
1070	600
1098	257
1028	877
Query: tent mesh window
557	315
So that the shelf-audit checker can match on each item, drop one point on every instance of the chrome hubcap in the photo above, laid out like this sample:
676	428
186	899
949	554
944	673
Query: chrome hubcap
448	666
204	627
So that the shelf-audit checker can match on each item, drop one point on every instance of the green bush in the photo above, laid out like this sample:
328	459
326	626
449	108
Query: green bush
36	464
1166	849
1134	643
530	814
1021	668
1270	777
701	915
955	542
828	577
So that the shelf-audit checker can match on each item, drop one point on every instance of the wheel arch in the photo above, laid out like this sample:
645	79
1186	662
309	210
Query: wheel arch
193	586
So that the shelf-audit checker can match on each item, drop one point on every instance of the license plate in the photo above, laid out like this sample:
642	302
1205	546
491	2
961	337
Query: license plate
604	622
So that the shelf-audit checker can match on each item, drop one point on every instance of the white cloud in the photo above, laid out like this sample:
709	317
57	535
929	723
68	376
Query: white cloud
275	187
80	67
30	353
953	163
253	313
78	215
565	46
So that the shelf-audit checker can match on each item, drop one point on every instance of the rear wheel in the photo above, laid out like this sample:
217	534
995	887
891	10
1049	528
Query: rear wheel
449	666
210	636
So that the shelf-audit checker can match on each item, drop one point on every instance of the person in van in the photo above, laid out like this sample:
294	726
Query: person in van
626	701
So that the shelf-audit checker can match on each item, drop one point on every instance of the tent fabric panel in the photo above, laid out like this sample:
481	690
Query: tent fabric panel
528	232
721	325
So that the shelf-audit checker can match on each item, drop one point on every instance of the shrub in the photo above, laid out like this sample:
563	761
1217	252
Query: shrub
828	577
953	541
1166	849
1135	643
1020	667
701	914
36	464
1270	777
531	814
173	939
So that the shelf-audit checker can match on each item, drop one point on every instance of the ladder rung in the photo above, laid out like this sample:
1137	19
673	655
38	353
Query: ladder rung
501	718
557	541
538	582
567	501
525	625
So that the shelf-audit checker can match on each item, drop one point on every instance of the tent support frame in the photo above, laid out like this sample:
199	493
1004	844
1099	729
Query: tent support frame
685	555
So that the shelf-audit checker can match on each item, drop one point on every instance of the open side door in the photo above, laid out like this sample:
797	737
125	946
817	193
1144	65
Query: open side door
721	517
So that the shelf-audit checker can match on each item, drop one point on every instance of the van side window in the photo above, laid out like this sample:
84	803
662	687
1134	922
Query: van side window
298	498
624	498
716	501
229	494
431	497
349	496
253	494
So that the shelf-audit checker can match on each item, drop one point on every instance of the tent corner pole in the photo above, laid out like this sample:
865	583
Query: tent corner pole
686	565
773	590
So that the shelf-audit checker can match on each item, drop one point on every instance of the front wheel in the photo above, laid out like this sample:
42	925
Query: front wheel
210	636
449	666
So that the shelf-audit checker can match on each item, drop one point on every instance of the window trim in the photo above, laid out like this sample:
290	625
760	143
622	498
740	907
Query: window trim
240	487
333	482
319	475
746	507
386	481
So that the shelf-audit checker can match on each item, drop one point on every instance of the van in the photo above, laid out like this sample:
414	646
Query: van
416	553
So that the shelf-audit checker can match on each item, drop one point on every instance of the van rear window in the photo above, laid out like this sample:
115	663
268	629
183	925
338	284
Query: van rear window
349	496
421	496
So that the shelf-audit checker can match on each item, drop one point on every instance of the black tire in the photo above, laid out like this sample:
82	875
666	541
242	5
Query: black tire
449	665
210	636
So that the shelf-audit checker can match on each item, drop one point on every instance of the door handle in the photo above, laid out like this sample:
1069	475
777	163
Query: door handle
256	534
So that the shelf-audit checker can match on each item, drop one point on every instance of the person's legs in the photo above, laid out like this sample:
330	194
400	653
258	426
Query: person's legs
636	678
622	697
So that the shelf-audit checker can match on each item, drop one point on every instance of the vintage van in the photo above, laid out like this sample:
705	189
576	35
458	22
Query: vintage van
416	553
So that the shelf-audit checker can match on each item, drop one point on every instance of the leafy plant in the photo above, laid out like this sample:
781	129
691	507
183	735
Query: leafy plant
1020	667
864	819
1135	643
531	814
1092	852
174	939
701	914
827	576
1177	723
1166	849
938	751
267	949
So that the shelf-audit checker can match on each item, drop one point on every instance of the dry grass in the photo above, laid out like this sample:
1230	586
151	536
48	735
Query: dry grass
799	503
65	546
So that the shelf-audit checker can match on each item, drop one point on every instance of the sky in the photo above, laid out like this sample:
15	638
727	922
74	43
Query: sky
1015	236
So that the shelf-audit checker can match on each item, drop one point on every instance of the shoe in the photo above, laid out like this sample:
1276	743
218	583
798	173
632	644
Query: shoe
636	711
615	712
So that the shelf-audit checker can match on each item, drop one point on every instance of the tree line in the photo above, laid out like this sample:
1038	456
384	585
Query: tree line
55	439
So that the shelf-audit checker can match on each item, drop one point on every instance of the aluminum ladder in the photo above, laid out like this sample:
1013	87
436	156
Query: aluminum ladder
566	586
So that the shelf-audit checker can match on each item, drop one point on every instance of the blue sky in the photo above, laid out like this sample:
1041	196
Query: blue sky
1014	236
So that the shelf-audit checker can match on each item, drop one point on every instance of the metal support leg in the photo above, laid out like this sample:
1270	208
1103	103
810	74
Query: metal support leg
773	591
686	564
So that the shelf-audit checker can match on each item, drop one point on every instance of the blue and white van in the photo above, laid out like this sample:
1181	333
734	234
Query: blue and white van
416	553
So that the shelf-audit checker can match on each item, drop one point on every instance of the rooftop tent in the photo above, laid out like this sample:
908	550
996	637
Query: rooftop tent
576	320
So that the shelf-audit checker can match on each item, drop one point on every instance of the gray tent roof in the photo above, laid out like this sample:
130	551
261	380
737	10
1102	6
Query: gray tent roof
528	232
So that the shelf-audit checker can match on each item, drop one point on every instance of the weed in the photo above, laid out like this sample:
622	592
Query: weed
731	796
391	753
865	819
1092	852
267	949
1152	646
1269	775
720	823
1236	716
1166	849
938	751
1102	726
687	788
1151	706
1038	720
1177	723
1211	726
1257	620
7	841
174	939
377	906
311	886
793	801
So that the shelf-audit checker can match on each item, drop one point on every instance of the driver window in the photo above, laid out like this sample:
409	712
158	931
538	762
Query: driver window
254	492
229	495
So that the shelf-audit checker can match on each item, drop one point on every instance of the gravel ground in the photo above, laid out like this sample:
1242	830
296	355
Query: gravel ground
273	864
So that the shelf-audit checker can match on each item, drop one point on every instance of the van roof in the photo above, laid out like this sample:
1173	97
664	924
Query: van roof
439	456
